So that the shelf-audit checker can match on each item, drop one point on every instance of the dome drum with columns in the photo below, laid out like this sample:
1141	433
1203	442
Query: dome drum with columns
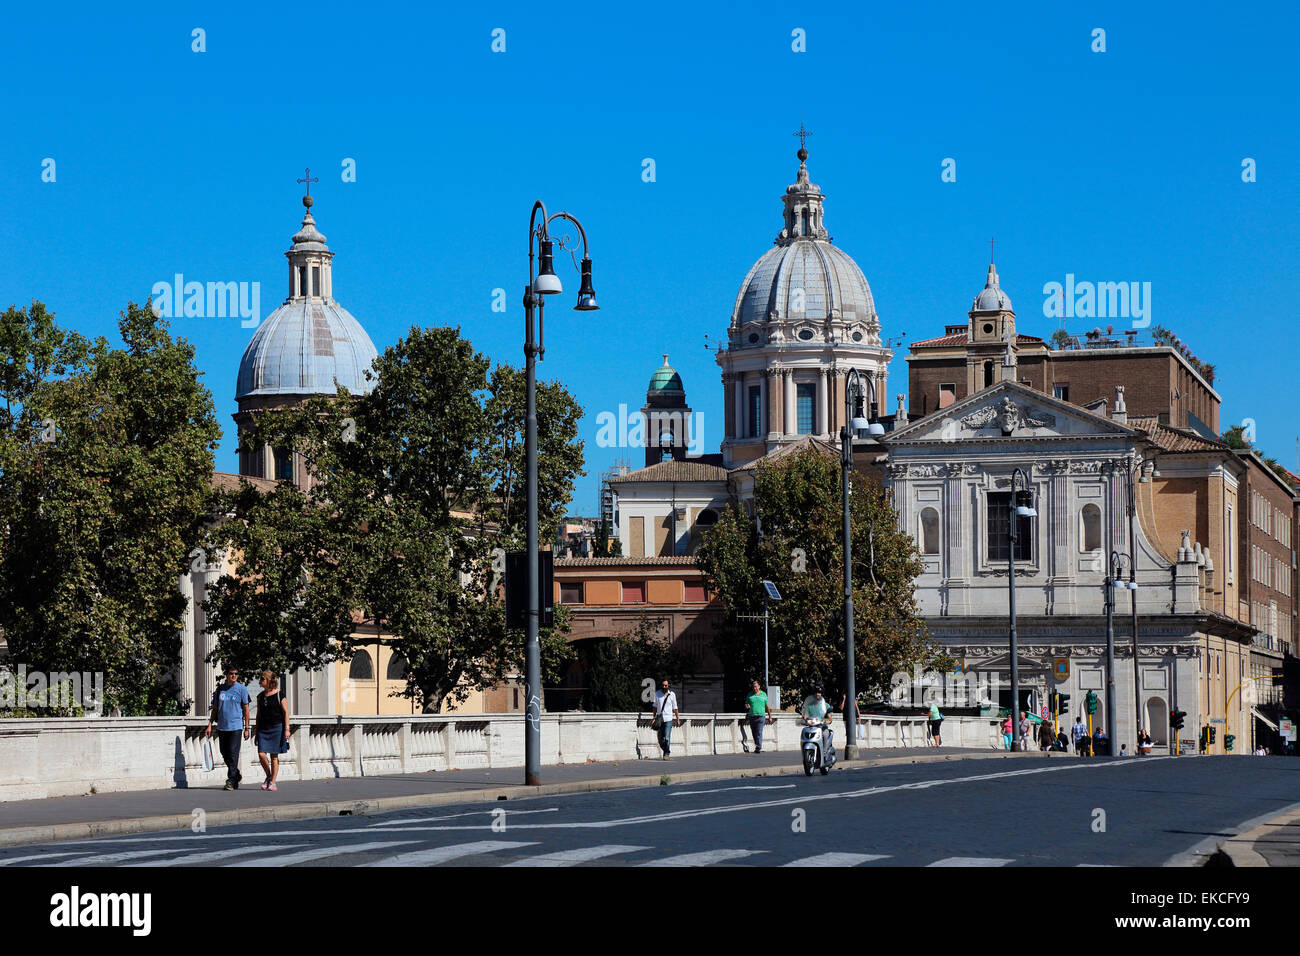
804	318
308	346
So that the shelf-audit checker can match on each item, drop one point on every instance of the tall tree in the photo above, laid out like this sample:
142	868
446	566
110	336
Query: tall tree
796	542
415	484
105	504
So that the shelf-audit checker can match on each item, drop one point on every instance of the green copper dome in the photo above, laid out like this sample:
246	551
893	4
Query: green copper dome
666	379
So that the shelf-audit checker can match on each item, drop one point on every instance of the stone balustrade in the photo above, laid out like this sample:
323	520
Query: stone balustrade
66	756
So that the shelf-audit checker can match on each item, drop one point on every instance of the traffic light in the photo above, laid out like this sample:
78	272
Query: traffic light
1063	703
1228	741
1091	702
1213	734
1176	718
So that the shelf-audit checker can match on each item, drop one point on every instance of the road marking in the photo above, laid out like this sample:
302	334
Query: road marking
320	853
453	816
443	854
971	861
692	793
705	858
216	855
1095	864
838	859
802	799
574	857
40	856
107	859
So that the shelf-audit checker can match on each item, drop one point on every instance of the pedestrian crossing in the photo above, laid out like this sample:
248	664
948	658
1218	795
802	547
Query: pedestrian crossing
512	853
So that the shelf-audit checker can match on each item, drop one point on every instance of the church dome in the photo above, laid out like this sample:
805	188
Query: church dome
666	379
991	297
805	281
310	342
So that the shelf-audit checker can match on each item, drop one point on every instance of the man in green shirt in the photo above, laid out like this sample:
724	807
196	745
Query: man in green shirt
757	711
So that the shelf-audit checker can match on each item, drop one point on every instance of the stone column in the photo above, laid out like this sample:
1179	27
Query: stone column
791	421
823	401
186	675
729	407
776	399
762	404
739	379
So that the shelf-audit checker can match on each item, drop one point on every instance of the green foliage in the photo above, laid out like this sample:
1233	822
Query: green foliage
618	668
798	502
106	458
1235	438
413	485
1061	339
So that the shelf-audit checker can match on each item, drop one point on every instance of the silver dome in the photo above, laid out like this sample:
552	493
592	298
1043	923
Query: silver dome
302	348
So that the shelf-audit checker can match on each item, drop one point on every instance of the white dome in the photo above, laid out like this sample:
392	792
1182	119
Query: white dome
991	297
808	279
303	348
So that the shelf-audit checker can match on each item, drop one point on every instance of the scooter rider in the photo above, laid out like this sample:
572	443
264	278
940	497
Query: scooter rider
818	708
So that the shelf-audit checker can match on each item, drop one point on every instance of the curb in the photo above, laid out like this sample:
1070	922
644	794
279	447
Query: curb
63	832
1241	848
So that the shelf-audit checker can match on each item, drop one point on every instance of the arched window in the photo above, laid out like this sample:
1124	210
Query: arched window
929	531
396	667
706	518
1090	528
362	667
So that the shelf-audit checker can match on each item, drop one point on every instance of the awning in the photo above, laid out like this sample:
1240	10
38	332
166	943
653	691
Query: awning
1265	719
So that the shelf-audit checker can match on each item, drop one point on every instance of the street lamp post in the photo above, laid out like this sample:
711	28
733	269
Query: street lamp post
853	422
1022	506
541	283
1140	468
1113	581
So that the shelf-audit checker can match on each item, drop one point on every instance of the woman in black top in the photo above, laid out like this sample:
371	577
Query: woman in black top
272	727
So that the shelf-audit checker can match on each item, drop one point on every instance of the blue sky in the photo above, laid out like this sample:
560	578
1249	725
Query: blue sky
1115	166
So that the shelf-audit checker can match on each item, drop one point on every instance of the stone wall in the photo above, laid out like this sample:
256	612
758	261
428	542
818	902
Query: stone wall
68	756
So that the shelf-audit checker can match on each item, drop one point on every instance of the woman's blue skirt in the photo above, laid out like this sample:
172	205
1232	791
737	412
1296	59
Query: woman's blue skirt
271	740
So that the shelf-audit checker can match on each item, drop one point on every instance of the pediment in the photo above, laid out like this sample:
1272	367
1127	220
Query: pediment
1009	410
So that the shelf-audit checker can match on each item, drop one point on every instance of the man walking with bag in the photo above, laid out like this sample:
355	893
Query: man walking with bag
759	713
665	703
230	711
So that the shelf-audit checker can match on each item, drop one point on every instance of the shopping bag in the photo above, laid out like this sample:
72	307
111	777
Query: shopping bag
208	762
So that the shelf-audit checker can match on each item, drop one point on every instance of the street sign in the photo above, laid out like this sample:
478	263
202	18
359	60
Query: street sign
1045	713
1061	669
1217	720
1286	727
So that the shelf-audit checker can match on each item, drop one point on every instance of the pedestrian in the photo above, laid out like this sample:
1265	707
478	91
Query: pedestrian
1100	742
1144	743
272	727
759	713
1006	732
1062	742
230	711
1044	736
1080	734
1024	731
936	722
1123	750
665	703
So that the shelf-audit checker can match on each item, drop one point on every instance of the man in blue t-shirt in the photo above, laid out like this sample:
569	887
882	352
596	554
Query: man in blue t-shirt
230	710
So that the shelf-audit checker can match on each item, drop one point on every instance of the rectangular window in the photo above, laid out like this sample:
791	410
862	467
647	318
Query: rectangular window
302	280
755	411
696	594
999	513
570	592
315	280
947	395
806	397
283	464
633	592
1062	392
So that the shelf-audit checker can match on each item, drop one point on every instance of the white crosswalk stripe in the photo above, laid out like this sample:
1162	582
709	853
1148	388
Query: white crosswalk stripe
444	854
215	856
705	858
574	857
39	856
971	861
306	856
108	859
838	859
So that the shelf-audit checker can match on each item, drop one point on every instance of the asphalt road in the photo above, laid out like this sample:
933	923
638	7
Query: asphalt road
1059	811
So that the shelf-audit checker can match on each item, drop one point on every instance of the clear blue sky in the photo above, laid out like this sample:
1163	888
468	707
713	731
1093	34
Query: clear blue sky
1115	166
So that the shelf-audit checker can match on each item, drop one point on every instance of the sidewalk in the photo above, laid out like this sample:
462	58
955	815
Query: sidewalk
146	811
1273	842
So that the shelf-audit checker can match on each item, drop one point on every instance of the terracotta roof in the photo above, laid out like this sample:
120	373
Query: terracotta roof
1171	438
959	338
674	470
225	481
677	559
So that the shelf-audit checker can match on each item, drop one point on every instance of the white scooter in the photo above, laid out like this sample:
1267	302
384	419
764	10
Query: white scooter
816	740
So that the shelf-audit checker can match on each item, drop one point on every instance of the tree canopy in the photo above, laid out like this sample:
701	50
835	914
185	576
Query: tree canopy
794	539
